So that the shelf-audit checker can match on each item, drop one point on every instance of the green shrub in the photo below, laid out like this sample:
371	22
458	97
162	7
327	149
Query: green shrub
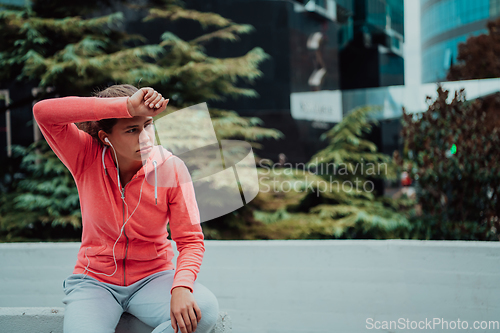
452	151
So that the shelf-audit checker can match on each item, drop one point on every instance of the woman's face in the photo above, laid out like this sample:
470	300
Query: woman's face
133	138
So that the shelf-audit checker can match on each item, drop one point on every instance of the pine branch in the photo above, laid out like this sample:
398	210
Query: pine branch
174	13
229	33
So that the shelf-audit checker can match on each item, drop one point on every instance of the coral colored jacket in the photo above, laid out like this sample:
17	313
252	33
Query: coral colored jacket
142	248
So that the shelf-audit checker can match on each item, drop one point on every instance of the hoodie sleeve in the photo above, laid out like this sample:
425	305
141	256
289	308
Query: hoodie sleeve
56	118
184	218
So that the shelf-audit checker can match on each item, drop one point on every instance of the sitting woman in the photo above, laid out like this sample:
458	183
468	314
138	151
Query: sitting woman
125	259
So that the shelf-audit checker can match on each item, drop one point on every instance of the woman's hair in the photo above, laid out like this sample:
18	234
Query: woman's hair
93	127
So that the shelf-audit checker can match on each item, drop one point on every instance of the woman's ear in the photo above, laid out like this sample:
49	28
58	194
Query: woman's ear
103	136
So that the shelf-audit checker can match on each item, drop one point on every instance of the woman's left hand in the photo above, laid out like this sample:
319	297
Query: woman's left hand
184	312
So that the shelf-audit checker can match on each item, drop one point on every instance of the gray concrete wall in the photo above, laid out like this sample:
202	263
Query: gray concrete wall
51	320
306	286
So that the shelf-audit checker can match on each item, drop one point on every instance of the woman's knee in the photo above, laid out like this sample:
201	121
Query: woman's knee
209	307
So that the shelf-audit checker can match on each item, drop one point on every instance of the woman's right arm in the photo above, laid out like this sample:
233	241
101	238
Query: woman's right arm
56	118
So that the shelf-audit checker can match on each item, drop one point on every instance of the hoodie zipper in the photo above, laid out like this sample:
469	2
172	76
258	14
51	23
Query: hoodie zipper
123	226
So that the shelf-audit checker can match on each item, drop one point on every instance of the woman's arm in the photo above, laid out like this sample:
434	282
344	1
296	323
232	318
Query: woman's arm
75	148
184	219
56	118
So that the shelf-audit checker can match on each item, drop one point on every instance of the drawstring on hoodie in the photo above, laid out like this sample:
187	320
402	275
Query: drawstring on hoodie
156	182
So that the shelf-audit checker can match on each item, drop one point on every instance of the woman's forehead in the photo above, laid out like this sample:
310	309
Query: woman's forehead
137	120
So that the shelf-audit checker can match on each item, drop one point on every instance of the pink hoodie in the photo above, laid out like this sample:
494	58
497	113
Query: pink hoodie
143	247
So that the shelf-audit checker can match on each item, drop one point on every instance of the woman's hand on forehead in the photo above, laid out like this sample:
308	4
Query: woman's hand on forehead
146	102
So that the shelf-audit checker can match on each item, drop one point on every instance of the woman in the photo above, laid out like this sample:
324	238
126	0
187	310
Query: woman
125	259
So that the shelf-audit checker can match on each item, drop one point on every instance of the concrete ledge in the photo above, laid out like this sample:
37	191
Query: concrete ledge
302	286
50	320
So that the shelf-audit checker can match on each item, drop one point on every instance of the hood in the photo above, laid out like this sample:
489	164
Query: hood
158	157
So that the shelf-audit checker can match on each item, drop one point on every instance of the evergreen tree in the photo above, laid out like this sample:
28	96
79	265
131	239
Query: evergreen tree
71	50
44	193
335	199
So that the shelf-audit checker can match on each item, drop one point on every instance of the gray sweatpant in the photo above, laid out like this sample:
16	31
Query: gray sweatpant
94	306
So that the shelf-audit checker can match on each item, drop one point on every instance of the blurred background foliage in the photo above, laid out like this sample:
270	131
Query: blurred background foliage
337	199
478	57
74	53
42	203
452	152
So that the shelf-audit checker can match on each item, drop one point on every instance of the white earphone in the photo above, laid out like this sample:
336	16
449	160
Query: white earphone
118	166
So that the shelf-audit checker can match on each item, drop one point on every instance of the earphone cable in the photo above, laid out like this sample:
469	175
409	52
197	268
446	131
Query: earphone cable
127	218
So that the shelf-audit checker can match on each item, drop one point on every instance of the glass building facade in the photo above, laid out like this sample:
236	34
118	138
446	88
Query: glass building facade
444	25
371	38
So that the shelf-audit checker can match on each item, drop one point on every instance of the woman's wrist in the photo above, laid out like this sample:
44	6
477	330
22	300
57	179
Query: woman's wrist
178	288
130	107
146	102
